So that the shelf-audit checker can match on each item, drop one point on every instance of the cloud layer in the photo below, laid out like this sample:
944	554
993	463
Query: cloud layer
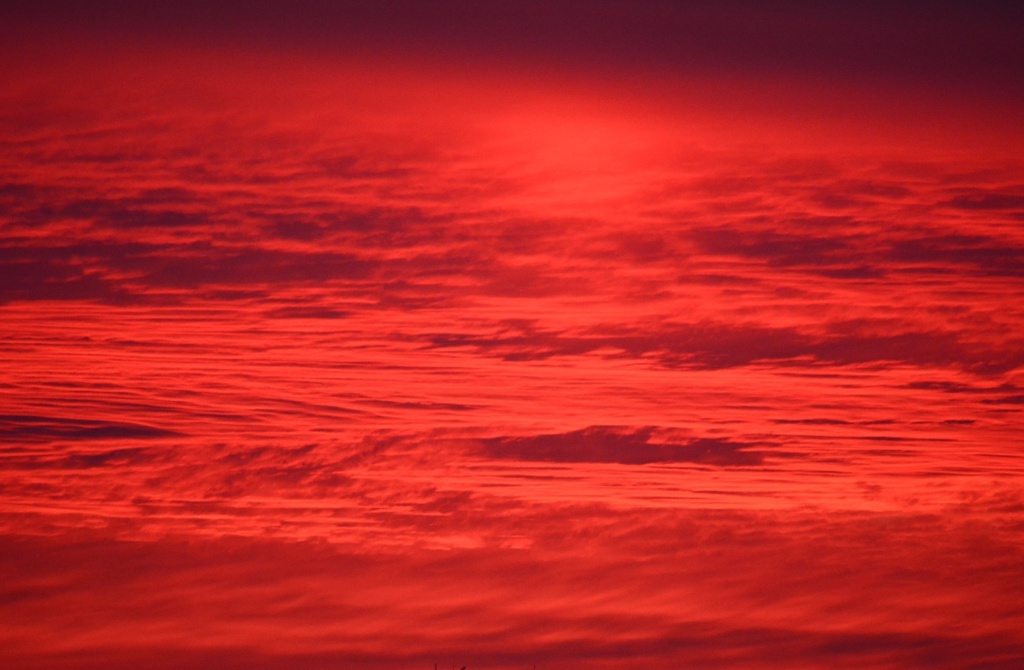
427	346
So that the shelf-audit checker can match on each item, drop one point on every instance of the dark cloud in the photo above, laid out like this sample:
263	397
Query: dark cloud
1017	399
842	256
56	281
718	345
987	201
813	422
986	255
65	271
210	266
856	272
382	226
305	231
114	458
961	387
306	312
699	345
778	248
30	428
603	444
124	214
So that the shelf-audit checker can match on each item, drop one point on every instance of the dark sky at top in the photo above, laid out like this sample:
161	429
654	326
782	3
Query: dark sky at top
945	45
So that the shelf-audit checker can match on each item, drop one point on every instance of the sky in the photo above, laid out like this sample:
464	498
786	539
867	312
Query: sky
590	335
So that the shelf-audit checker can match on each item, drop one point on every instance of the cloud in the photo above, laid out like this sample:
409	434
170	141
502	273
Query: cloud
605	444
778	248
208	266
310	312
1017	399
127	214
986	255
27	428
981	200
721	345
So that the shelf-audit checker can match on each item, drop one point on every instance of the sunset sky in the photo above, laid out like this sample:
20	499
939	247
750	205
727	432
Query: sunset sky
511	335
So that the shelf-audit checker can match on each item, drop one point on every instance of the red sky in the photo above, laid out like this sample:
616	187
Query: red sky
555	335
